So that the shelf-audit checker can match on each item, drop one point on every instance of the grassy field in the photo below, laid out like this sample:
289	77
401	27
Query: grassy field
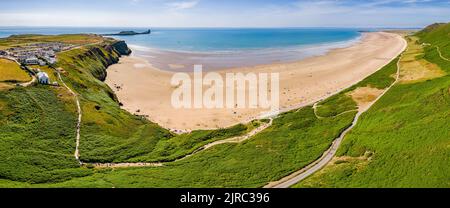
404	140
415	68
18	40
10	71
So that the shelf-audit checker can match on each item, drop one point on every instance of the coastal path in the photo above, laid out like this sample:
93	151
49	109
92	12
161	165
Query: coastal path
316	105
78	129
440	54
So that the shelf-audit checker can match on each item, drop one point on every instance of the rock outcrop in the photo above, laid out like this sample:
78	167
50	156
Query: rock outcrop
122	48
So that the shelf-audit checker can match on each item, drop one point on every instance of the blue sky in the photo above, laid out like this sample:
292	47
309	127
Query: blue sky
225	13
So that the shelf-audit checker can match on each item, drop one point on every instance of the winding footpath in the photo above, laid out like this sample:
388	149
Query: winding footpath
440	54
326	158
240	139
27	84
316	105
233	140
77	101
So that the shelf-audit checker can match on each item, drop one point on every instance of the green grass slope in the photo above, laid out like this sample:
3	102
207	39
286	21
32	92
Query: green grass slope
403	140
37	137
296	139
437	35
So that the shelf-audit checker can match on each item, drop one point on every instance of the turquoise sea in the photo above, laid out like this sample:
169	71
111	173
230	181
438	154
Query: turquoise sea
202	39
217	48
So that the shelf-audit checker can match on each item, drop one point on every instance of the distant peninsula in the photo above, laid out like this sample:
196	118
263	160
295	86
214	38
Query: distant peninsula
127	33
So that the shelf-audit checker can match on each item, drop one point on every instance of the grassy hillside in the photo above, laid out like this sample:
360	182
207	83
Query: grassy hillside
404	140
437	35
295	140
37	136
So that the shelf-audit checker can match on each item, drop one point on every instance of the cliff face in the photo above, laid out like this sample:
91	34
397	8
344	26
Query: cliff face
89	65
98	58
122	48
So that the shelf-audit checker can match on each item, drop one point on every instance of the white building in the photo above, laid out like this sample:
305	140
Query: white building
42	63
43	78
32	61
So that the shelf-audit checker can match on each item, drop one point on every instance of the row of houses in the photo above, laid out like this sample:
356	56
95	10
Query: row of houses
38	53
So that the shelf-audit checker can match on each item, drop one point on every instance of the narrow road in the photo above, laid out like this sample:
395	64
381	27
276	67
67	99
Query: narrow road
317	165
27	84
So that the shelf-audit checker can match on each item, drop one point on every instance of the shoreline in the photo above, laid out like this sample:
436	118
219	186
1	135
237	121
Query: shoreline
137	82
329	44
182	61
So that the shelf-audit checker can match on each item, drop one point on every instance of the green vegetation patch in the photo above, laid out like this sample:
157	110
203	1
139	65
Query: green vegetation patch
37	137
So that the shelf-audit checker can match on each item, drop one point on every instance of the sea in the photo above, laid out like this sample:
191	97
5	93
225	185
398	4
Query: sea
216	48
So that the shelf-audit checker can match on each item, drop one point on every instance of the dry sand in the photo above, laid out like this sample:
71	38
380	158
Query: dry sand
145	90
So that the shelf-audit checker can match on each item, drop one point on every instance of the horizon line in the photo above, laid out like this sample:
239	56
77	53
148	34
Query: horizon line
218	27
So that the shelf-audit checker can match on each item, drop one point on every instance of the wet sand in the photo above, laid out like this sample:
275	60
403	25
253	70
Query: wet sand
146	90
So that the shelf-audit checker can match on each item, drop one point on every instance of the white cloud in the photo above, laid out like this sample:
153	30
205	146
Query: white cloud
180	13
181	5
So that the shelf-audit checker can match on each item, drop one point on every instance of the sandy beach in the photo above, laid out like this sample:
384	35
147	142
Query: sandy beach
146	90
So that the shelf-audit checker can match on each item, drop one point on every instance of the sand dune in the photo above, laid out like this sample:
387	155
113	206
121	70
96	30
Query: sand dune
146	90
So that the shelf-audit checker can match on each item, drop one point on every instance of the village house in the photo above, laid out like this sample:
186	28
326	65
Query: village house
32	61
43	78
